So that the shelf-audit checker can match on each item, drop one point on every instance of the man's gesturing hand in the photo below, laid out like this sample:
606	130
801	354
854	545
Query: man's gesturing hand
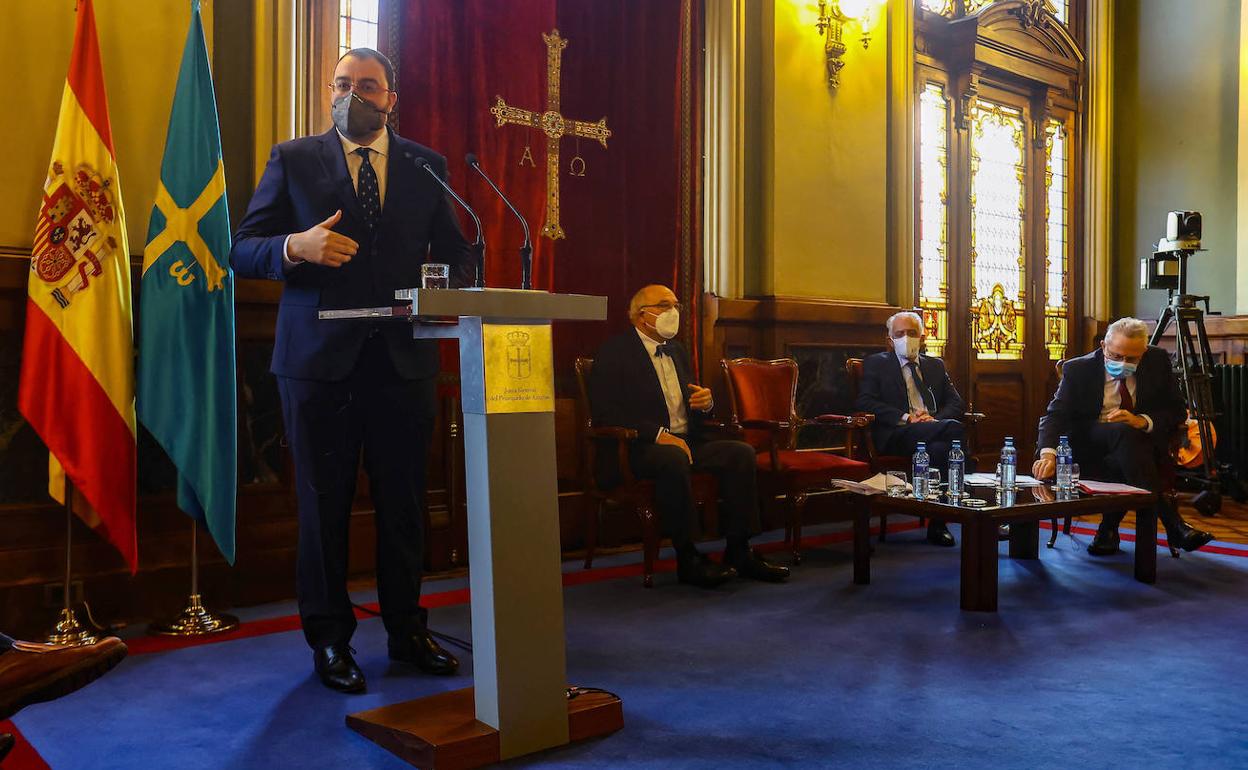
321	245
699	397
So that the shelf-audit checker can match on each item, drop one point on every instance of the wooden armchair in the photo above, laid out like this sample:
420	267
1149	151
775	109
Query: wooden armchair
881	463
764	405
630	494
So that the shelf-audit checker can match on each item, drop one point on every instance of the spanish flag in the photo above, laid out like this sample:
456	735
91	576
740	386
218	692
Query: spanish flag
77	381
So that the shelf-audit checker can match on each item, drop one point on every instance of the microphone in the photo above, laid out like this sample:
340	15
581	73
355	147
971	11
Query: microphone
478	246
526	251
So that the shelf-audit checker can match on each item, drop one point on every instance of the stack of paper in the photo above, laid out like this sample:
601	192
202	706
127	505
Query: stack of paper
990	480
872	486
1109	488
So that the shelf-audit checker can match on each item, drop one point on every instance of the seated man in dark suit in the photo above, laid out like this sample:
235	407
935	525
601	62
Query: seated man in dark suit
642	380
913	400
1120	406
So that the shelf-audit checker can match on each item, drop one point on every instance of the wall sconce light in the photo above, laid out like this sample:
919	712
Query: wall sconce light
833	16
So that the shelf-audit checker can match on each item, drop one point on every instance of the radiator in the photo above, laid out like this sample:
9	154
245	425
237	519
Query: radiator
1230	393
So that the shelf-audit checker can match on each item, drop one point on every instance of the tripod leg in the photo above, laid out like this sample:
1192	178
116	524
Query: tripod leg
1163	322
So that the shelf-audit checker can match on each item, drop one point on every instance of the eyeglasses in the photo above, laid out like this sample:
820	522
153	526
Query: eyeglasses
1112	356
364	87
666	306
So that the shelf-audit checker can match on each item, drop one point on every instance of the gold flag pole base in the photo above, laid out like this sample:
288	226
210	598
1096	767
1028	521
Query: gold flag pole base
69	632
194	620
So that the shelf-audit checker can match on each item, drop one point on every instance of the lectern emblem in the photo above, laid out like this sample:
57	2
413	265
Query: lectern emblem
519	355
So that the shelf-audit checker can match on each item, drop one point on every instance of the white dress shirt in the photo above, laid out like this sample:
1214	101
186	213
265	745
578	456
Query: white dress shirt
673	390
380	153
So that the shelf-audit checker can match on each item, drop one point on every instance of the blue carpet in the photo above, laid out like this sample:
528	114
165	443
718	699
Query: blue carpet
1082	666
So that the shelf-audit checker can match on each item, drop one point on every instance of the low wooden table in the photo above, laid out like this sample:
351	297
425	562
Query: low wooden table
1023	510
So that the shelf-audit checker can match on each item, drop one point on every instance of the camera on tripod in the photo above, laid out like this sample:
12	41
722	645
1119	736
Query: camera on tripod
1165	269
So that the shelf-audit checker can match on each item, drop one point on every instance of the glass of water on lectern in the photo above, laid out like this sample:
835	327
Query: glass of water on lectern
435	276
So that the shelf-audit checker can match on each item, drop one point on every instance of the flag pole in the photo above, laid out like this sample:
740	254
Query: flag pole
194	619
68	631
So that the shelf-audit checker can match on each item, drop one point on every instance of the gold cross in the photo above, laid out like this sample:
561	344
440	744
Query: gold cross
554	125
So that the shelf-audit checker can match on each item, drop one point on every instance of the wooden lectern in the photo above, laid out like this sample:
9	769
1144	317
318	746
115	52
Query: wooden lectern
520	703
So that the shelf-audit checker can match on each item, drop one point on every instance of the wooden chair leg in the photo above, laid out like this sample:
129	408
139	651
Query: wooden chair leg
796	506
649	545
883	528
1053	534
592	514
1066	526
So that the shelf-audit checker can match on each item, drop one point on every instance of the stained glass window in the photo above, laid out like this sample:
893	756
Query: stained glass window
943	7
998	202
357	25
1057	7
934	217
1056	294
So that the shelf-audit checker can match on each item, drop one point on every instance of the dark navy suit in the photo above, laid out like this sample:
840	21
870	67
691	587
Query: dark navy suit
882	392
624	392
352	385
1116	450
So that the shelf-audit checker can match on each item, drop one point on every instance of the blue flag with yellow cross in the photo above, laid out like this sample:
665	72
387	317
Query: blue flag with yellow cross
186	395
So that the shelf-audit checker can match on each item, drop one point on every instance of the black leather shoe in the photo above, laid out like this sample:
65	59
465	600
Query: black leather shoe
750	565
938	534
1105	543
1190	539
6	745
337	669
696	569
422	651
1003	532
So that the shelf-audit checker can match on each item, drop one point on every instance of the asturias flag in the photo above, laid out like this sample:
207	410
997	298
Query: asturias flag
77	387
187	389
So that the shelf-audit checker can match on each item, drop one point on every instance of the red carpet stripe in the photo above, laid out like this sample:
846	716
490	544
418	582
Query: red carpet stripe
1129	536
149	644
454	597
24	756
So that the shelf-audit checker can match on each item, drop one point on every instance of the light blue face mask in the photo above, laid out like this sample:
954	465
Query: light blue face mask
1119	369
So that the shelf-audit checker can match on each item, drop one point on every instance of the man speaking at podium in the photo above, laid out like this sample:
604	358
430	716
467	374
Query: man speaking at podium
345	219
642	380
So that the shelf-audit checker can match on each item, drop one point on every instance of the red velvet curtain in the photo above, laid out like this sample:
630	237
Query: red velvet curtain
633	218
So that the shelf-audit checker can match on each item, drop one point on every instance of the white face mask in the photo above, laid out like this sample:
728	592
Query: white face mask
907	346
667	323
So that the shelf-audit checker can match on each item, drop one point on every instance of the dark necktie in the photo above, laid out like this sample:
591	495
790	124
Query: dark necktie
1124	396
366	190
664	349
929	400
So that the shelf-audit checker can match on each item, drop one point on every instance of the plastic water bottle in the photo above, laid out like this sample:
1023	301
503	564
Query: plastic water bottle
919	471
1009	464
1065	463
957	464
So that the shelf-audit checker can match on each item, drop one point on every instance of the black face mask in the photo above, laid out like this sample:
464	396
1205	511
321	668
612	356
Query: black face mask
355	117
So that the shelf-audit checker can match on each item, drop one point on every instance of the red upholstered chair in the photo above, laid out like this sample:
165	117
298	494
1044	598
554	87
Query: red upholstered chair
631	494
764	405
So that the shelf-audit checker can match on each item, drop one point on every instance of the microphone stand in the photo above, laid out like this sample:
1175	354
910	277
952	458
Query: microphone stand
526	251
478	246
